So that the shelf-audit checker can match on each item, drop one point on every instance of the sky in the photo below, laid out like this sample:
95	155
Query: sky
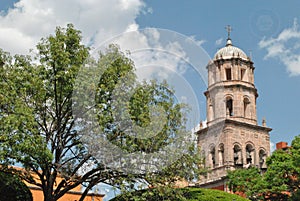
265	30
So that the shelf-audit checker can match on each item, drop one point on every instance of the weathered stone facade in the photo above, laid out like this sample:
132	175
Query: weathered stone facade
232	138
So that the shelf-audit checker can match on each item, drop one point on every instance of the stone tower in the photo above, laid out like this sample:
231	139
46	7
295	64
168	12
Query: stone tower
232	138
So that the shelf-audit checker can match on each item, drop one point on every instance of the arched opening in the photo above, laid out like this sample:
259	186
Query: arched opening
213	156
262	158
249	154
237	155
221	154
229	107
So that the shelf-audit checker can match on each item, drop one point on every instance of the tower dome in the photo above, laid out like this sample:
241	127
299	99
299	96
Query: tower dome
230	51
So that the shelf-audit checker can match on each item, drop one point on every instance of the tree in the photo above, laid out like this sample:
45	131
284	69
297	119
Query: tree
142	129
279	182
295	151
37	123
12	188
248	182
280	175
41	129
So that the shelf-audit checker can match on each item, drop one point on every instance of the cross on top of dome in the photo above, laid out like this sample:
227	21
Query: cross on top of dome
229	30
230	51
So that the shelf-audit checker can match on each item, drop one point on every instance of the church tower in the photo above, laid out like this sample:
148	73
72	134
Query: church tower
232	138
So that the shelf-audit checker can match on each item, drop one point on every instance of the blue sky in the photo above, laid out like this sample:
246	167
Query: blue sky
268	29
252	21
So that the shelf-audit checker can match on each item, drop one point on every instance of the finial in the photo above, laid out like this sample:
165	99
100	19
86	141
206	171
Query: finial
264	122
228	29
250	54
201	124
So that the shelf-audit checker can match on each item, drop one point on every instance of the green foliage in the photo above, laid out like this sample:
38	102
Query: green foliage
12	188
212	195
295	153
248	181
20	140
279	182
295	196
152	121
187	194
38	120
283	171
280	173
160	193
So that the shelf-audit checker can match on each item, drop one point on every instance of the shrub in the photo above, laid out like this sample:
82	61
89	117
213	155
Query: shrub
13	189
188	194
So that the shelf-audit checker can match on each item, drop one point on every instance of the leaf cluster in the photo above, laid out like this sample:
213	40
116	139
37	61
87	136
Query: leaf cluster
186	194
12	188
279	182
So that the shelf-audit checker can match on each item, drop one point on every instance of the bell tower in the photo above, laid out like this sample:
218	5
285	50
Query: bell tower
232	138
231	74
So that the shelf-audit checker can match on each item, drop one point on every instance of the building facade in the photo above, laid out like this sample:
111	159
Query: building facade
232	138
72	195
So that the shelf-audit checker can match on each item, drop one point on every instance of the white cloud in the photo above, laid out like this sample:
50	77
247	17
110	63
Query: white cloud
197	127
219	41
153	51
101	22
285	47
272	147
23	26
194	40
157	53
